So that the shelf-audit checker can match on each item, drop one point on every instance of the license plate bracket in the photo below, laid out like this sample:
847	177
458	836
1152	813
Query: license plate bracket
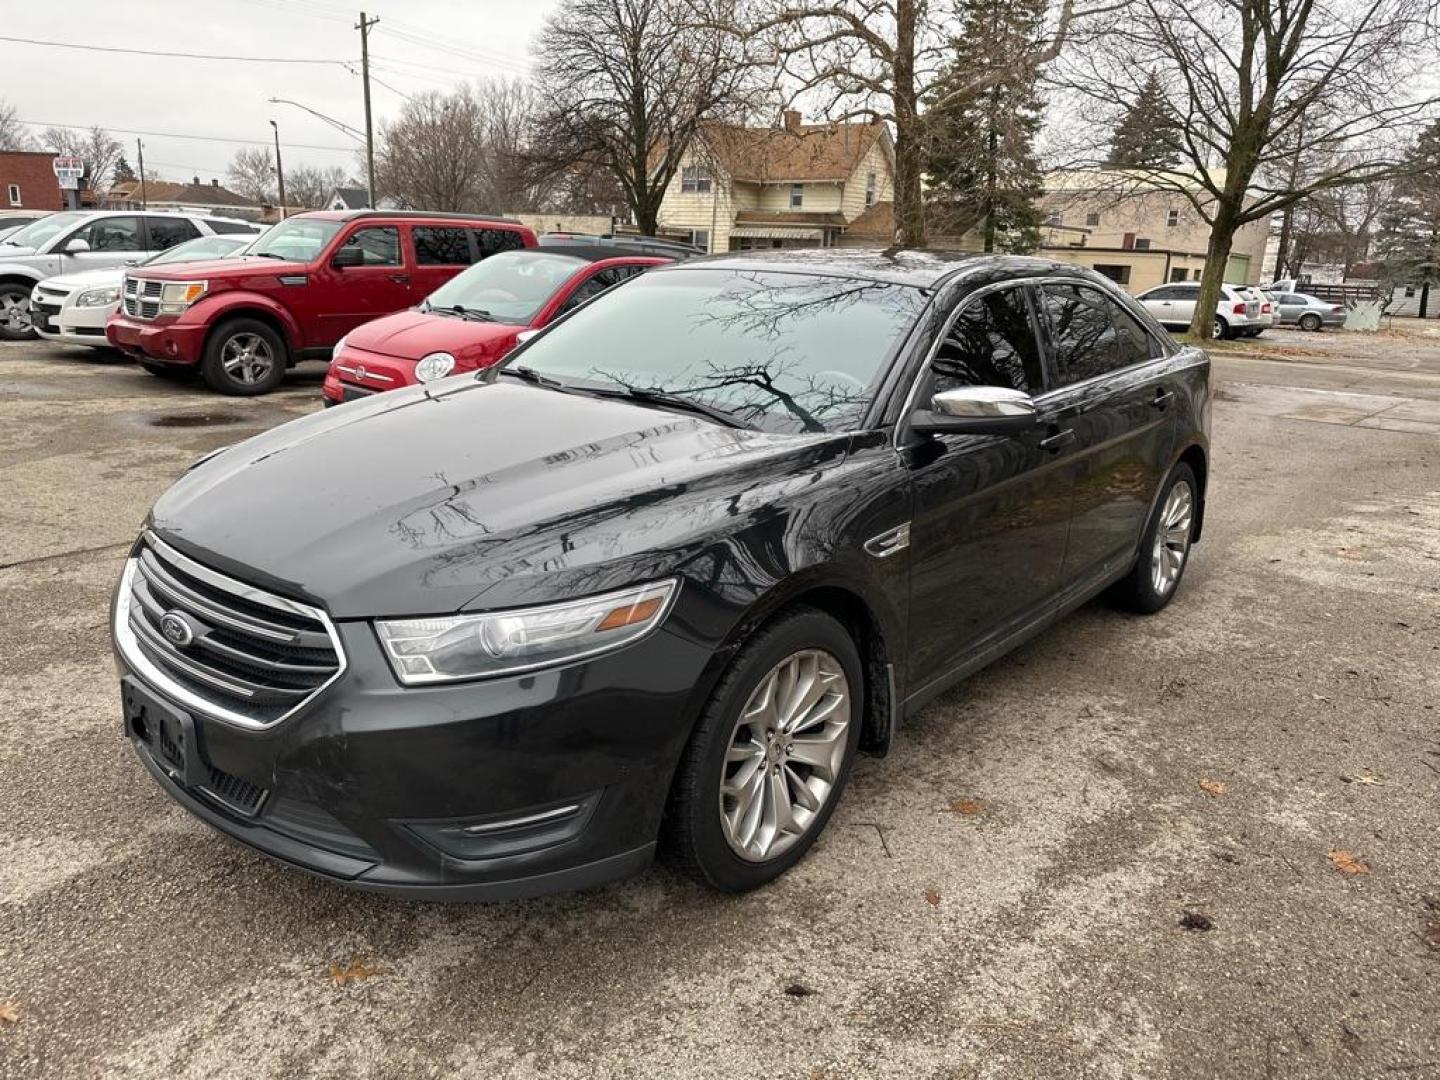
168	732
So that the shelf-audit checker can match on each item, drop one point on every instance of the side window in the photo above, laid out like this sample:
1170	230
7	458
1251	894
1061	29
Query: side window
226	228
441	247
167	232
493	241
616	274
990	343
1090	333
589	288
112	234
380	244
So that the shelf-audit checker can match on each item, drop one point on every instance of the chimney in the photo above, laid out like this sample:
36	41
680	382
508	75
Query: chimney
195	180
214	183
792	119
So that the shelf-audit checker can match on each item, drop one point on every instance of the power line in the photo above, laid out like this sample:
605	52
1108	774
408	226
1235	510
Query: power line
180	55
177	135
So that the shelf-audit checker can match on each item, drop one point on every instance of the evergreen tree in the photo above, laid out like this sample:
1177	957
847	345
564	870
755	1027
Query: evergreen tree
1409	239
1147	134
123	174
980	144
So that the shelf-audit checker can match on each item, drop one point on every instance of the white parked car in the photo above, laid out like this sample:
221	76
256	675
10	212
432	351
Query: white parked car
72	308
1269	310
71	241
1173	306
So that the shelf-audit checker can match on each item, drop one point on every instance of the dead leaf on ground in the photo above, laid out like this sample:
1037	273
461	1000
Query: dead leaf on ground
932	897
355	971
1194	920
968	807
1213	787
10	1012
1347	863
1366	778
1430	933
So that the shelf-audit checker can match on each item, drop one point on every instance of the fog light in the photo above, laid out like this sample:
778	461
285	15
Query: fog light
513	832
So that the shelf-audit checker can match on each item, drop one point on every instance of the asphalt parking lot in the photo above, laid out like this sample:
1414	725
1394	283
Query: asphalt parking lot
1203	844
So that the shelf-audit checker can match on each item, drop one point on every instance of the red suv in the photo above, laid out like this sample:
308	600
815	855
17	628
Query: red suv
296	291
472	321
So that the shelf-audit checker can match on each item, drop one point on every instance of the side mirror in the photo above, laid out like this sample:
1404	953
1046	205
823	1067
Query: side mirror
977	410
348	257
76	245
524	336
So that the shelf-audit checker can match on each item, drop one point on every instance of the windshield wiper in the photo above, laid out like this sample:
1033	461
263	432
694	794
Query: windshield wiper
269	255
655	396
530	375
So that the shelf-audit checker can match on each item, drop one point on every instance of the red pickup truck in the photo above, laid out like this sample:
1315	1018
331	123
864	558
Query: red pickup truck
296	291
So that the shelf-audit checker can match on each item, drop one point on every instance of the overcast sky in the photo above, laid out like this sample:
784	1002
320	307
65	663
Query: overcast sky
418	45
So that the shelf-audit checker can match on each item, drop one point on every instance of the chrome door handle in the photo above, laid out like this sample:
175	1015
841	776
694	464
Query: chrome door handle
1060	438
1163	398
400	279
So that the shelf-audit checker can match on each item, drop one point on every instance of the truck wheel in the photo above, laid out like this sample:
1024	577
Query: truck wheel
15	312
244	357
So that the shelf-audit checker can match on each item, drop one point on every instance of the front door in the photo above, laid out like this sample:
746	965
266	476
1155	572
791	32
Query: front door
991	512
380	285
113	241
1115	395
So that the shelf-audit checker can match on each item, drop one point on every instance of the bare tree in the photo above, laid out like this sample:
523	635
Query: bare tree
433	156
96	147
13	135
1257	85
309	186
628	84
251	173
880	60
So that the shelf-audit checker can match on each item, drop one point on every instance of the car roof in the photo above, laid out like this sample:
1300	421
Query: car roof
596	253
406	215
924	269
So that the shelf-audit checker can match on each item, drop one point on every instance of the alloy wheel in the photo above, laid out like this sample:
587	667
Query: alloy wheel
247	358
15	313
785	754
1172	538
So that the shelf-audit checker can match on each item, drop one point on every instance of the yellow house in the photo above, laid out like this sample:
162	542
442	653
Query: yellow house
796	185
1137	232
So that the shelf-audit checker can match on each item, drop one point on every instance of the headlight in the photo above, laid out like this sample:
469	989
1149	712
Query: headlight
476	646
435	366
176	296
98	298
335	352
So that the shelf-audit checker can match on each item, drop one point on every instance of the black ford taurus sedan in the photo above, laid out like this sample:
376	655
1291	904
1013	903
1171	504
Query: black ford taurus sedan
658	579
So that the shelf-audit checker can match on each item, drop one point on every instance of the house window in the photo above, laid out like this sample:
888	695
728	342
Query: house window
1172	218
15	195
1409	292
695	180
700	238
1055	217
1177	275
870	189
1142	243
797	195
1092	220
1115	272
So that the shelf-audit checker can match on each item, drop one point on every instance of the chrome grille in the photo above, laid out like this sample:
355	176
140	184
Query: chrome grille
140	299
252	657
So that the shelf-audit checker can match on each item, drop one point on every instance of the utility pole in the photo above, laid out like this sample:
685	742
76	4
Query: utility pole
279	170
364	27
140	153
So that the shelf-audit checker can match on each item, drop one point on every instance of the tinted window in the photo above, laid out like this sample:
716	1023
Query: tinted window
237	228
112	234
990	343
1091	334
591	287
512	287
1171	293
493	241
785	352
441	247
380	244
167	232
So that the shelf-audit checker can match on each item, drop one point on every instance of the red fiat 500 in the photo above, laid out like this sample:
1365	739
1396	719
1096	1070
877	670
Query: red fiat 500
474	319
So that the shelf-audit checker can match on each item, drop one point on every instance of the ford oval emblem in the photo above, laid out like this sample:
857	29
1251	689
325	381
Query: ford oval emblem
176	628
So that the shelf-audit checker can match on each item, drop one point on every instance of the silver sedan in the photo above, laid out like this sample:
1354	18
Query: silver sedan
1308	312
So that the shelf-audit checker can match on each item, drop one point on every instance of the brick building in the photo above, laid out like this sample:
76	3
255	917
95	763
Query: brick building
27	182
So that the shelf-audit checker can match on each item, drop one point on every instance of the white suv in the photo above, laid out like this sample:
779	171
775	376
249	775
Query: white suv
1173	306
69	242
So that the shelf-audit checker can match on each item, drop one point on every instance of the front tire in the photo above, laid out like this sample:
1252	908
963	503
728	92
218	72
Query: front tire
1310	321
15	324
244	357
769	758
1164	546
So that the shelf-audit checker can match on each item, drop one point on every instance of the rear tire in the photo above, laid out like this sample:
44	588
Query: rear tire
1222	329
244	357
778	737
15	313
1310	321
1164	545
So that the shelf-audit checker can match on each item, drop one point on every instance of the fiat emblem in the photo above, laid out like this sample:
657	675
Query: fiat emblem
176	628
359	371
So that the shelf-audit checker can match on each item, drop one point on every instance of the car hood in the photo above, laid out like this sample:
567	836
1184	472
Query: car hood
409	335
236	266
467	495
87	279
9	251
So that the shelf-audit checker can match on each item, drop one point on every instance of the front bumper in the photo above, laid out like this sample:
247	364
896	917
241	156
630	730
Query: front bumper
371	783
169	342
62	321
360	373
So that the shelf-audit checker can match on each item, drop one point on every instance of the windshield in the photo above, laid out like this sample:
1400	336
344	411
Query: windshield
38	233
298	239
780	351
202	247
510	287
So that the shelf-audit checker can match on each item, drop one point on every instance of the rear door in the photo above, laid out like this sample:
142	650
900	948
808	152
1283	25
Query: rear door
1114	401
380	285
164	233
440	252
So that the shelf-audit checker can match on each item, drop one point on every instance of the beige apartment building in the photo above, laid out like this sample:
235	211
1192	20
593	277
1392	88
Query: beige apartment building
1137	234
795	185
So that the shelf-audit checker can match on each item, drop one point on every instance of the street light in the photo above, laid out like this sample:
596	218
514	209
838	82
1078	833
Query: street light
279	169
338	125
